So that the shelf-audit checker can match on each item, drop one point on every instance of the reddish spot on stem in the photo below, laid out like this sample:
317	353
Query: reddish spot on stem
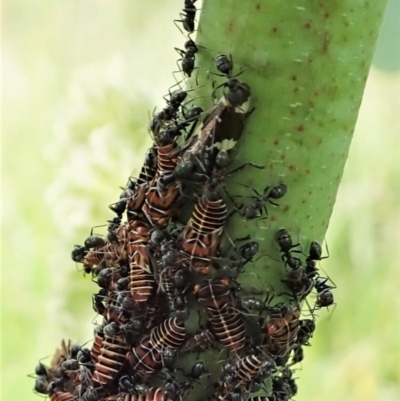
300	128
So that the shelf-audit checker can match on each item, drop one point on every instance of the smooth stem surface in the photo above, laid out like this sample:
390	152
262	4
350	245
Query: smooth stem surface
306	63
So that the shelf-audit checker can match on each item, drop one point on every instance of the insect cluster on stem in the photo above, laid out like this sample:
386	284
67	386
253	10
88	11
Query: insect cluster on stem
158	267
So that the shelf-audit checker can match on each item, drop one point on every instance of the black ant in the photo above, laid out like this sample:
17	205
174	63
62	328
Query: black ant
324	294
314	254
237	92
78	253
188	57
285	243
188	16
168	113
258	207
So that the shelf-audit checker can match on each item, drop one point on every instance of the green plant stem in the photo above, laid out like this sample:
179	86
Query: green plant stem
306	63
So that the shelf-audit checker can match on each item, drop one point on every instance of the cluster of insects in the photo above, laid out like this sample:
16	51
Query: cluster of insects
163	294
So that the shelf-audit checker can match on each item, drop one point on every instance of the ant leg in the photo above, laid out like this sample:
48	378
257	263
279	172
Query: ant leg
174	73
235	170
179	20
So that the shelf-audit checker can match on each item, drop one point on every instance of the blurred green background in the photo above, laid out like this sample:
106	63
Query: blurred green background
79	81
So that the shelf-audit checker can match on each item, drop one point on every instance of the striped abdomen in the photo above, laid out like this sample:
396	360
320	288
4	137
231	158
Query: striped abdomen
144	359
147	173
165	162
214	294
62	396
108	255
110	361
169	334
228	328
142	283
252	366
200	238
97	344
281	330
159	204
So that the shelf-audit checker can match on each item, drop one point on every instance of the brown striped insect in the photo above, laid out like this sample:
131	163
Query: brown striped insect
169	334
159	200
110	361
97	344
226	322
198	343
142	283
201	237
251	367
228	327
214	294
62	396
115	252
140	186
280	328
146	357
108	255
